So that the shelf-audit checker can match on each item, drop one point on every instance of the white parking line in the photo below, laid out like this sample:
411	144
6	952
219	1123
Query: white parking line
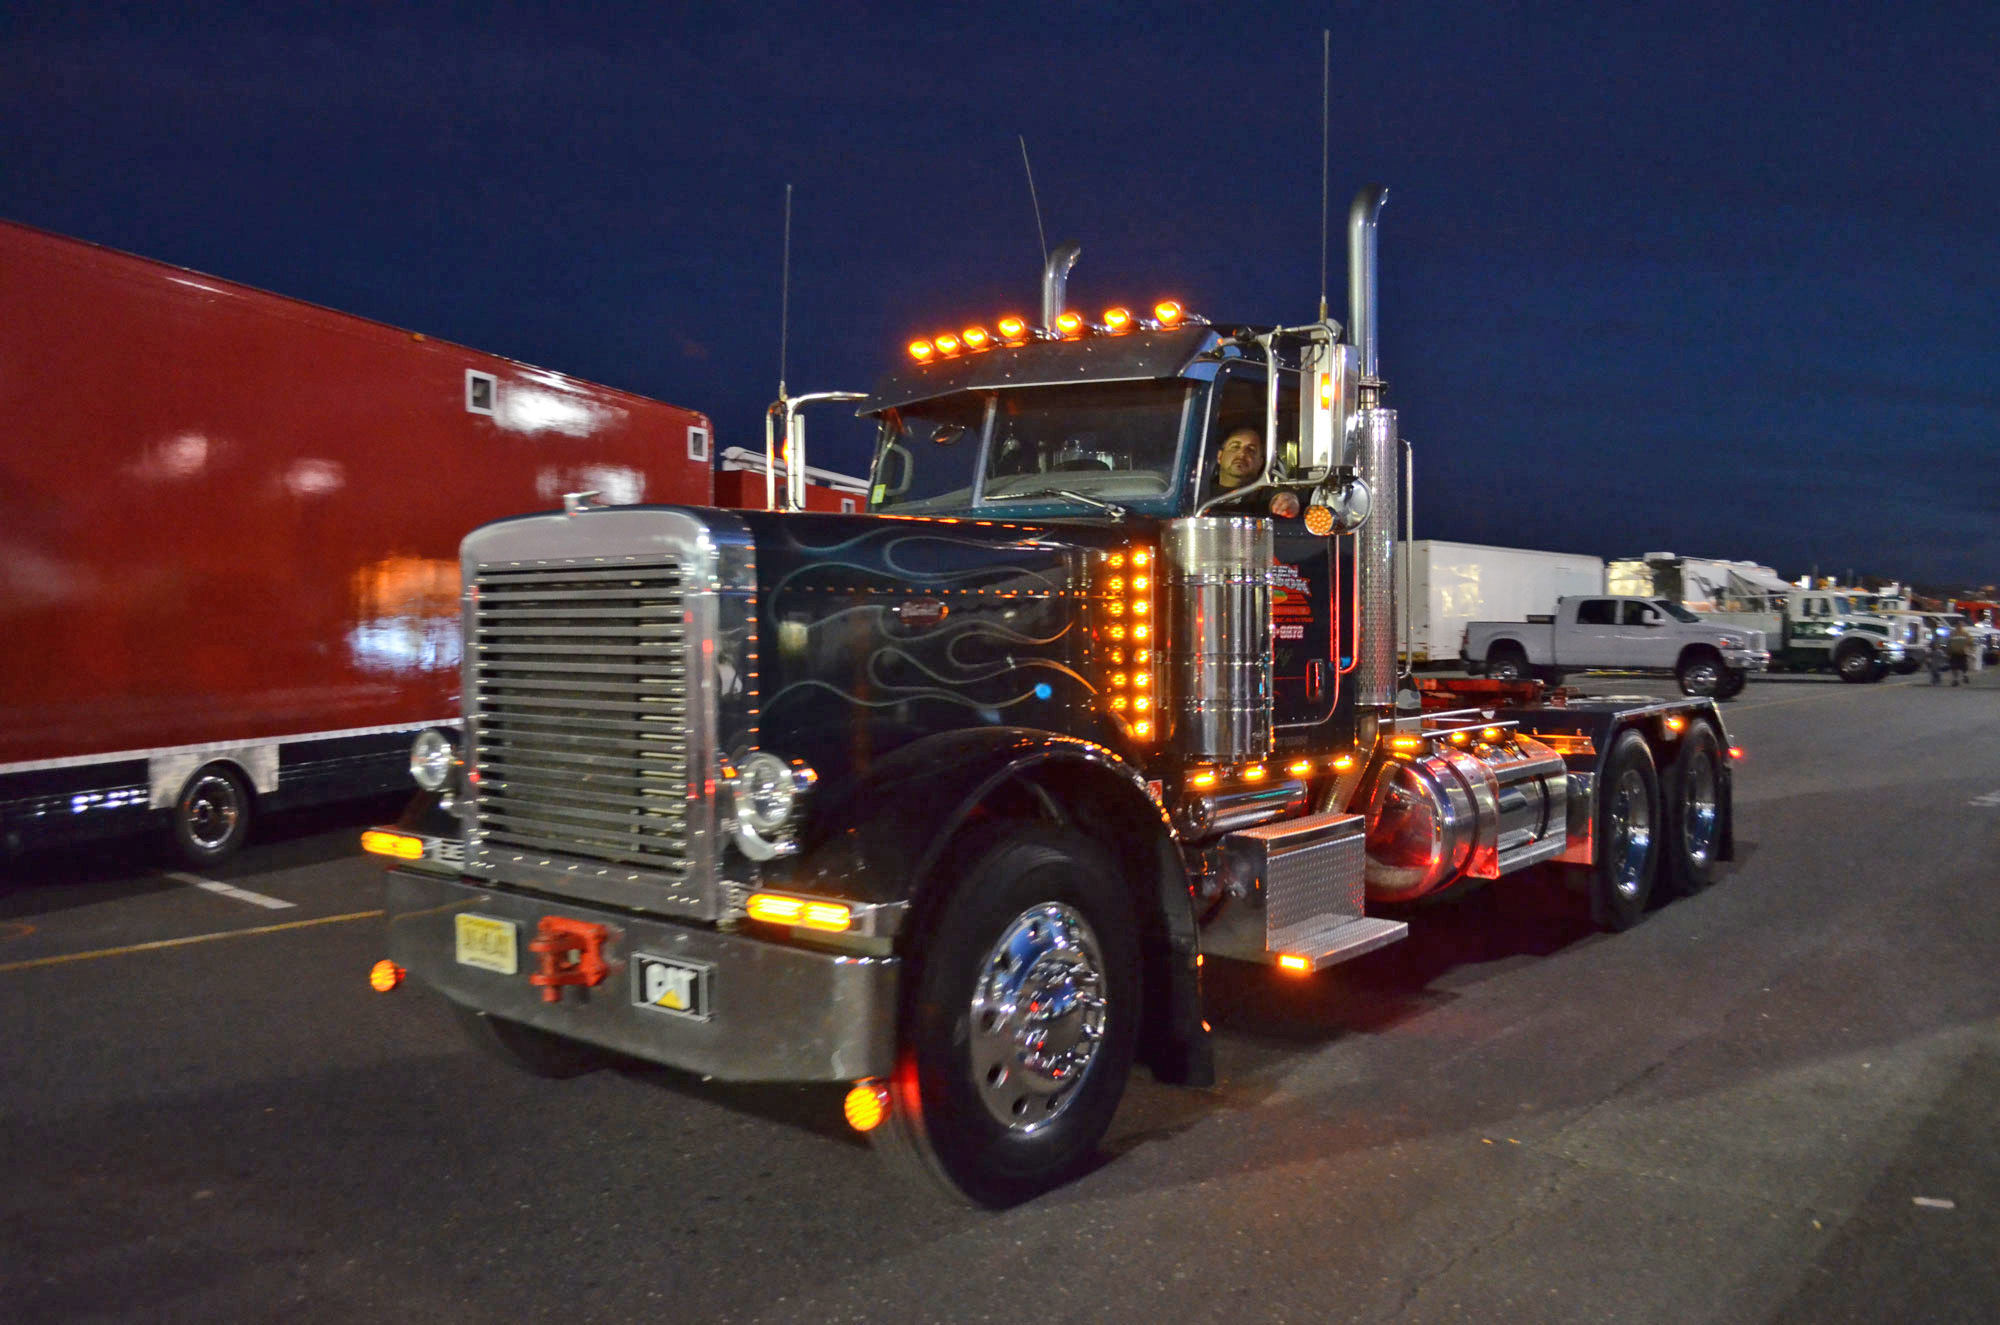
229	890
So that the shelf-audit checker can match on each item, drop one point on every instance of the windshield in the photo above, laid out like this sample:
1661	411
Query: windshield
1676	611
1110	441
1843	604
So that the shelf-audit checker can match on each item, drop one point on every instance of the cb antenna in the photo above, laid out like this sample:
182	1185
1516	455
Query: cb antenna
785	294
1040	234
1325	97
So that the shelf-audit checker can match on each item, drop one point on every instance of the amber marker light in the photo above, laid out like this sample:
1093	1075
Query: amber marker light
1255	773
1168	312
1139	632
976	338
866	1105
1202	779
1735	752
1141	558
384	976
401	846
1676	723
1459	738
1294	963
947	344
1489	735
1341	763
1069	325
921	350
780	910
1117	319
1012	329
1301	768
1319	521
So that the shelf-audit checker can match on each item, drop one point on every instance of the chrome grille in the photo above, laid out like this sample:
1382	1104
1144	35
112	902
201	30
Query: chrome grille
577	689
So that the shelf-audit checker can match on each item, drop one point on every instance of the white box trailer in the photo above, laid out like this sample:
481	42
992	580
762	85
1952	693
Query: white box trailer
1450	584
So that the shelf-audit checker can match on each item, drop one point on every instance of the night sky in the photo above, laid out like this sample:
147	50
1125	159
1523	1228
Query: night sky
1716	280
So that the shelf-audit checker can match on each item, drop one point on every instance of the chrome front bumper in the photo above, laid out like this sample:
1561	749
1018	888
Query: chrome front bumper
776	1013
1746	660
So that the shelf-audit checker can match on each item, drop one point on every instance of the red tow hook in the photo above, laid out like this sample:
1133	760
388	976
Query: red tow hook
572	953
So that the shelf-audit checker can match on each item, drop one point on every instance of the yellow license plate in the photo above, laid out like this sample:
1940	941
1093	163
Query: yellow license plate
488	944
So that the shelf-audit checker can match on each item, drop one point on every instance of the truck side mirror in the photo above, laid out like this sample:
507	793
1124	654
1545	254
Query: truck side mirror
1328	386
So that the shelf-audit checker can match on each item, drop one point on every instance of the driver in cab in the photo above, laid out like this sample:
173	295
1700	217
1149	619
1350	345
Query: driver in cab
1239	463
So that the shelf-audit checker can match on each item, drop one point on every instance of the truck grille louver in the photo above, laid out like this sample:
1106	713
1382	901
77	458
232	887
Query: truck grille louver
579	699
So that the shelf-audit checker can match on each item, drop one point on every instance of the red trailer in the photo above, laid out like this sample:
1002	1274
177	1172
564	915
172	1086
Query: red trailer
740	483
229	527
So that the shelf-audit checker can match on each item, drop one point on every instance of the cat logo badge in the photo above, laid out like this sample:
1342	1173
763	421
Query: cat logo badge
675	987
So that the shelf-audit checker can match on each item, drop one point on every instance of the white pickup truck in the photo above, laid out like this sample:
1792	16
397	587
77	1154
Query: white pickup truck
1605	633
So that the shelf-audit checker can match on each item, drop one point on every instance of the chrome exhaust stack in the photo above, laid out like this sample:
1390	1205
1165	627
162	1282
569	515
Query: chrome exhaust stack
1055	282
1373	443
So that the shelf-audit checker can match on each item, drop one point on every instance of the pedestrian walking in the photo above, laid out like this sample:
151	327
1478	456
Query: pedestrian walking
1934	659
1960	647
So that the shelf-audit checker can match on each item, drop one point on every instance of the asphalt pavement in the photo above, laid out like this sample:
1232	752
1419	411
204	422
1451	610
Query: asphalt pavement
1777	1100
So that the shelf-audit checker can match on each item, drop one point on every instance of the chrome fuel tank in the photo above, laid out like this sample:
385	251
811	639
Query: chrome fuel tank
1442	810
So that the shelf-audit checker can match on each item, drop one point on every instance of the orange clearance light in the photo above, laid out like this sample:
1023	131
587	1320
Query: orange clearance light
1202	779
976	338
1676	723
1406	743
1167	312
920	350
384	976
1735	752
381	842
1114	559
1141	557
1116	632
1117	319
1326	390
1116	607
1069	325
866	1105
1459	738
1301	768
1255	773
1139	632
1118	678
1119	703
1115	585
1341	763
1319	521
1141	607
1140	584
1142	679
1294	963
1142	729
1142	702
1012	329
947	344
1489	735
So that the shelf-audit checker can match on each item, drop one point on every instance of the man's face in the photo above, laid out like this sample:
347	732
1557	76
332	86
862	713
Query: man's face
1241	459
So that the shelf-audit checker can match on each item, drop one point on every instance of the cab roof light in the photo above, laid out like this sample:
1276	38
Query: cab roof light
1012	330
1168	312
976	338
947	344
1117	320
922	351
1069	325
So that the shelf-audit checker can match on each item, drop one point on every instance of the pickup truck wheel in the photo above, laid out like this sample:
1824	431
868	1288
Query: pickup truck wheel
1692	791
1733	682
211	815
1856	664
1507	663
528	1048
1019	1035
1700	674
1628	838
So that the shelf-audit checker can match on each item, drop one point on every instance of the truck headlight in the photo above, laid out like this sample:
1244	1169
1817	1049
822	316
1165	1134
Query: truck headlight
1734	642
432	756
769	797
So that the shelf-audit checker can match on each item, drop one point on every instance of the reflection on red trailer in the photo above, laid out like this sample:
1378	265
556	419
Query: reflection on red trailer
229	527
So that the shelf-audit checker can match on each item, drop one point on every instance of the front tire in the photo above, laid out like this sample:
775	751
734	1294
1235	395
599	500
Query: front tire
1019	1033
1857	666
1628	839
211	816
1733	682
1692	792
1701	674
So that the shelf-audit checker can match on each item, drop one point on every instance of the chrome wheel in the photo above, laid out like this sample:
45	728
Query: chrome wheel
212	808
1699	814
1038	1016
1701	678
1856	665
1630	843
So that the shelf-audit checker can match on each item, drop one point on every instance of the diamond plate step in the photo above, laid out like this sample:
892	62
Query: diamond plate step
1329	940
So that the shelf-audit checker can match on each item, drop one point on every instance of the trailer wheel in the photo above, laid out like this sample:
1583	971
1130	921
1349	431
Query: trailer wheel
1506	662
1856	664
1692	791
1019	1032
1628	838
528	1048
211	815
1701	673
1733	682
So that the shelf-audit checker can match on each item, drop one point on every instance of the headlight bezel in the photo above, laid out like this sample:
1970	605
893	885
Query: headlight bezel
767	801
434	757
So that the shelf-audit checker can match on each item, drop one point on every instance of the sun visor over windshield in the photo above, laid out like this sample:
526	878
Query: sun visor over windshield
1138	356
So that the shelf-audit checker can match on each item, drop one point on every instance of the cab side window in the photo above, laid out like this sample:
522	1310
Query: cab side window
1597	612
1637	614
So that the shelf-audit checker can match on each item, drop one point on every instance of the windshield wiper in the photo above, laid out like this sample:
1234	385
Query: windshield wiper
1112	509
